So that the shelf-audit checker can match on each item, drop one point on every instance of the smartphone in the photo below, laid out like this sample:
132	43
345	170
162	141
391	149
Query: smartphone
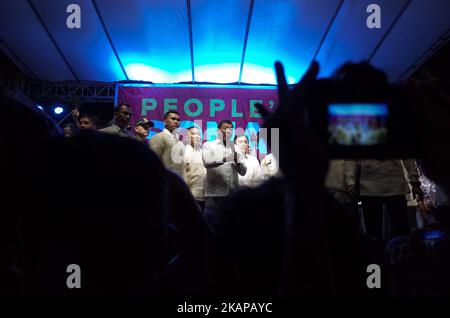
362	122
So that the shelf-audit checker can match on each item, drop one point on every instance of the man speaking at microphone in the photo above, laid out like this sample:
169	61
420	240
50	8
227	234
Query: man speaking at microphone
223	164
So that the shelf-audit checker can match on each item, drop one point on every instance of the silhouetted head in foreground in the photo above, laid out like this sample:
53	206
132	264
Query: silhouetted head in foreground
113	227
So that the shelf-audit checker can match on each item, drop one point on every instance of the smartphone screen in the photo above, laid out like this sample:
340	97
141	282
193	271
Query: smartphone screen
433	234
357	124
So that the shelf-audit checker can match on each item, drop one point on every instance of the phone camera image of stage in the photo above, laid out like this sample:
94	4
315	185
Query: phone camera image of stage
357	124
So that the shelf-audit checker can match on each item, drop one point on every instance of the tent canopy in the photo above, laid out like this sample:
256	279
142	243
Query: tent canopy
226	41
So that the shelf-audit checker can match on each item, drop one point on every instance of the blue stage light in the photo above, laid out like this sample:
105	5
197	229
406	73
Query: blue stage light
40	107
58	110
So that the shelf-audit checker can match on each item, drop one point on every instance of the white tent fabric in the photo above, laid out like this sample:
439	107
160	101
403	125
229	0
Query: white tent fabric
220	41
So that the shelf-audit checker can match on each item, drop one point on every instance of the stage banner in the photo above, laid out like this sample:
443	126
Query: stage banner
201	106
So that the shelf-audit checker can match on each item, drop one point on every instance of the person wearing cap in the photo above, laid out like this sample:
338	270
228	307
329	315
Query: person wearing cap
141	128
167	144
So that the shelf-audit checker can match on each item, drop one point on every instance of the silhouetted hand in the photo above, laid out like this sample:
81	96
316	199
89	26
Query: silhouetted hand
75	113
303	161
303	157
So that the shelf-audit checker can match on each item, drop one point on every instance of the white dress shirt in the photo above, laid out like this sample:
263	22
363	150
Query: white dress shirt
195	176
221	177
269	166
253	177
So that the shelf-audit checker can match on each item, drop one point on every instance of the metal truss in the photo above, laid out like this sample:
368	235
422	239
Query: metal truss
70	91
12	82
440	42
